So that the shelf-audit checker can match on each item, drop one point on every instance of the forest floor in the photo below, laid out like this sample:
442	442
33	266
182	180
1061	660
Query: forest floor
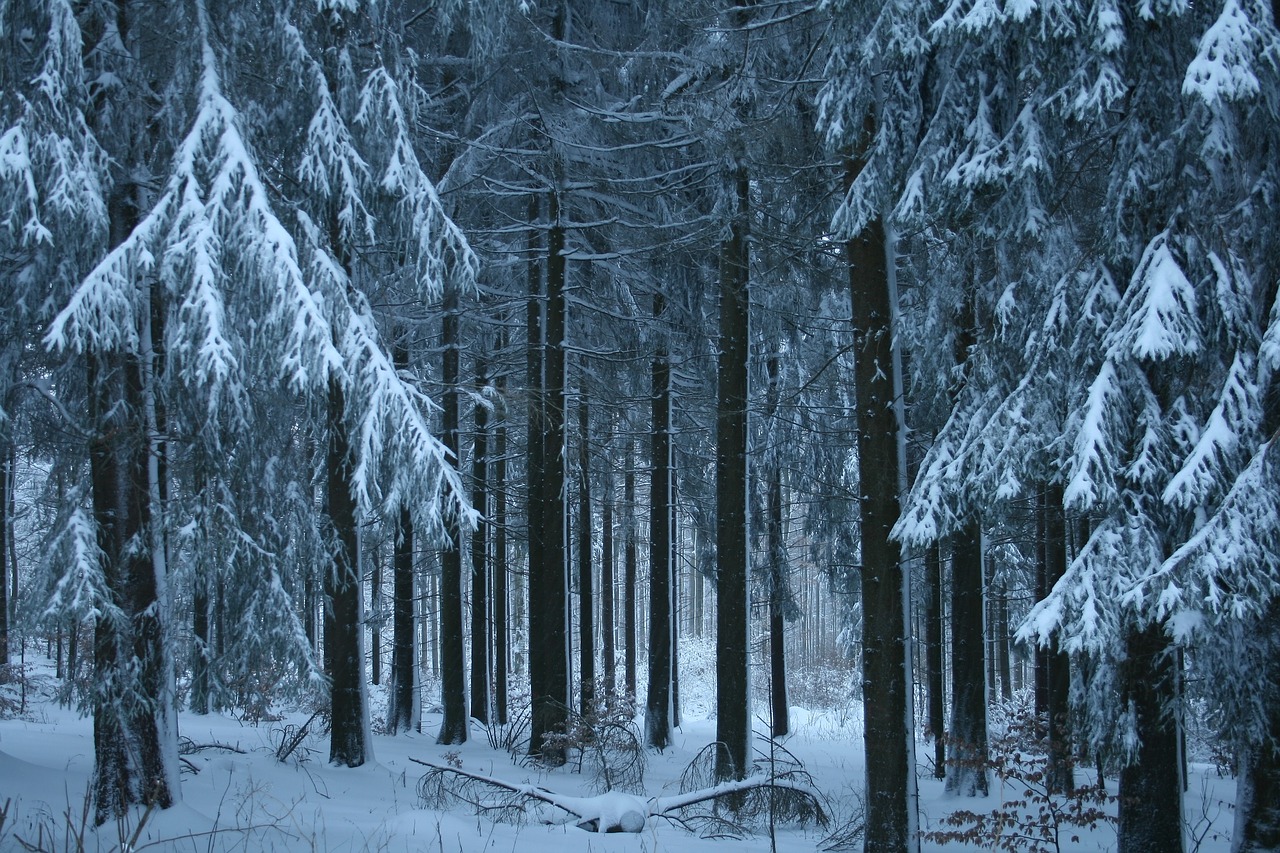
236	795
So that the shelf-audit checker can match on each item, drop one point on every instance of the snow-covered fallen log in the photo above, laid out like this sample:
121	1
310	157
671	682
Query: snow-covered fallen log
612	811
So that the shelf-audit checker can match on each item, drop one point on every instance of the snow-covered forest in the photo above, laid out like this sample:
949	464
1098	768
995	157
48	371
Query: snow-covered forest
454	424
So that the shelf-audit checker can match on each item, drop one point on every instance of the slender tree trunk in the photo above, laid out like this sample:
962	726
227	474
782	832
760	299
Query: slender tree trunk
586	593
6	468
967	773
1150	812
1257	828
402	691
933	654
348	725
548	589
607	658
200	628
480	682
375	629
884	659
500	630
778	582
1002	643
657	719
112	792
1059	774
453	663
629	581
733	709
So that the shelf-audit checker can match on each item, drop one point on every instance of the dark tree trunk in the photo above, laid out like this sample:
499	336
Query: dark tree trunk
607	659
884	661
933	654
548	590
1002	643
1258	790
1059	775
480	692
500	633
402	691
778	582
453	663
967	772
375	629
657	719
5	476
112	791
1150	812
629	580
403	687
347	728
586	594
200	628
733	711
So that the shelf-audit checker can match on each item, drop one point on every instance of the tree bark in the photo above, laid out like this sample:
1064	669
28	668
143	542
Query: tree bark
500	632
1150	811
967	772
733	711
5	476
1257	827
586	592
1059	774
934	657
548	589
607	658
778	582
657	720
481	695
884	673
453	664
343	654
402	690
629	580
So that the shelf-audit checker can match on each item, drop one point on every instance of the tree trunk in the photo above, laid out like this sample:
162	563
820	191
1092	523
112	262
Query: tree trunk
586	593
402	691
1257	827
629	580
453	663
5	476
548	589
967	772
778	582
657	719
933	654
500	632
884	661
200	628
375	629
607	659
1059	774
342	588
1150	812
480	681
733	710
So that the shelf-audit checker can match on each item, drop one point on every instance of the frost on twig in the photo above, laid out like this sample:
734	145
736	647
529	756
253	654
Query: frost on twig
613	811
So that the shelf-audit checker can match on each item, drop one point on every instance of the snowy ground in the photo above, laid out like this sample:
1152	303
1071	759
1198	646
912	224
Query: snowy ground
249	801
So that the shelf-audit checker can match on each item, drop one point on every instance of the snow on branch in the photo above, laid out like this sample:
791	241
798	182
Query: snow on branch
1223	68
212	223
1158	314
1233	420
